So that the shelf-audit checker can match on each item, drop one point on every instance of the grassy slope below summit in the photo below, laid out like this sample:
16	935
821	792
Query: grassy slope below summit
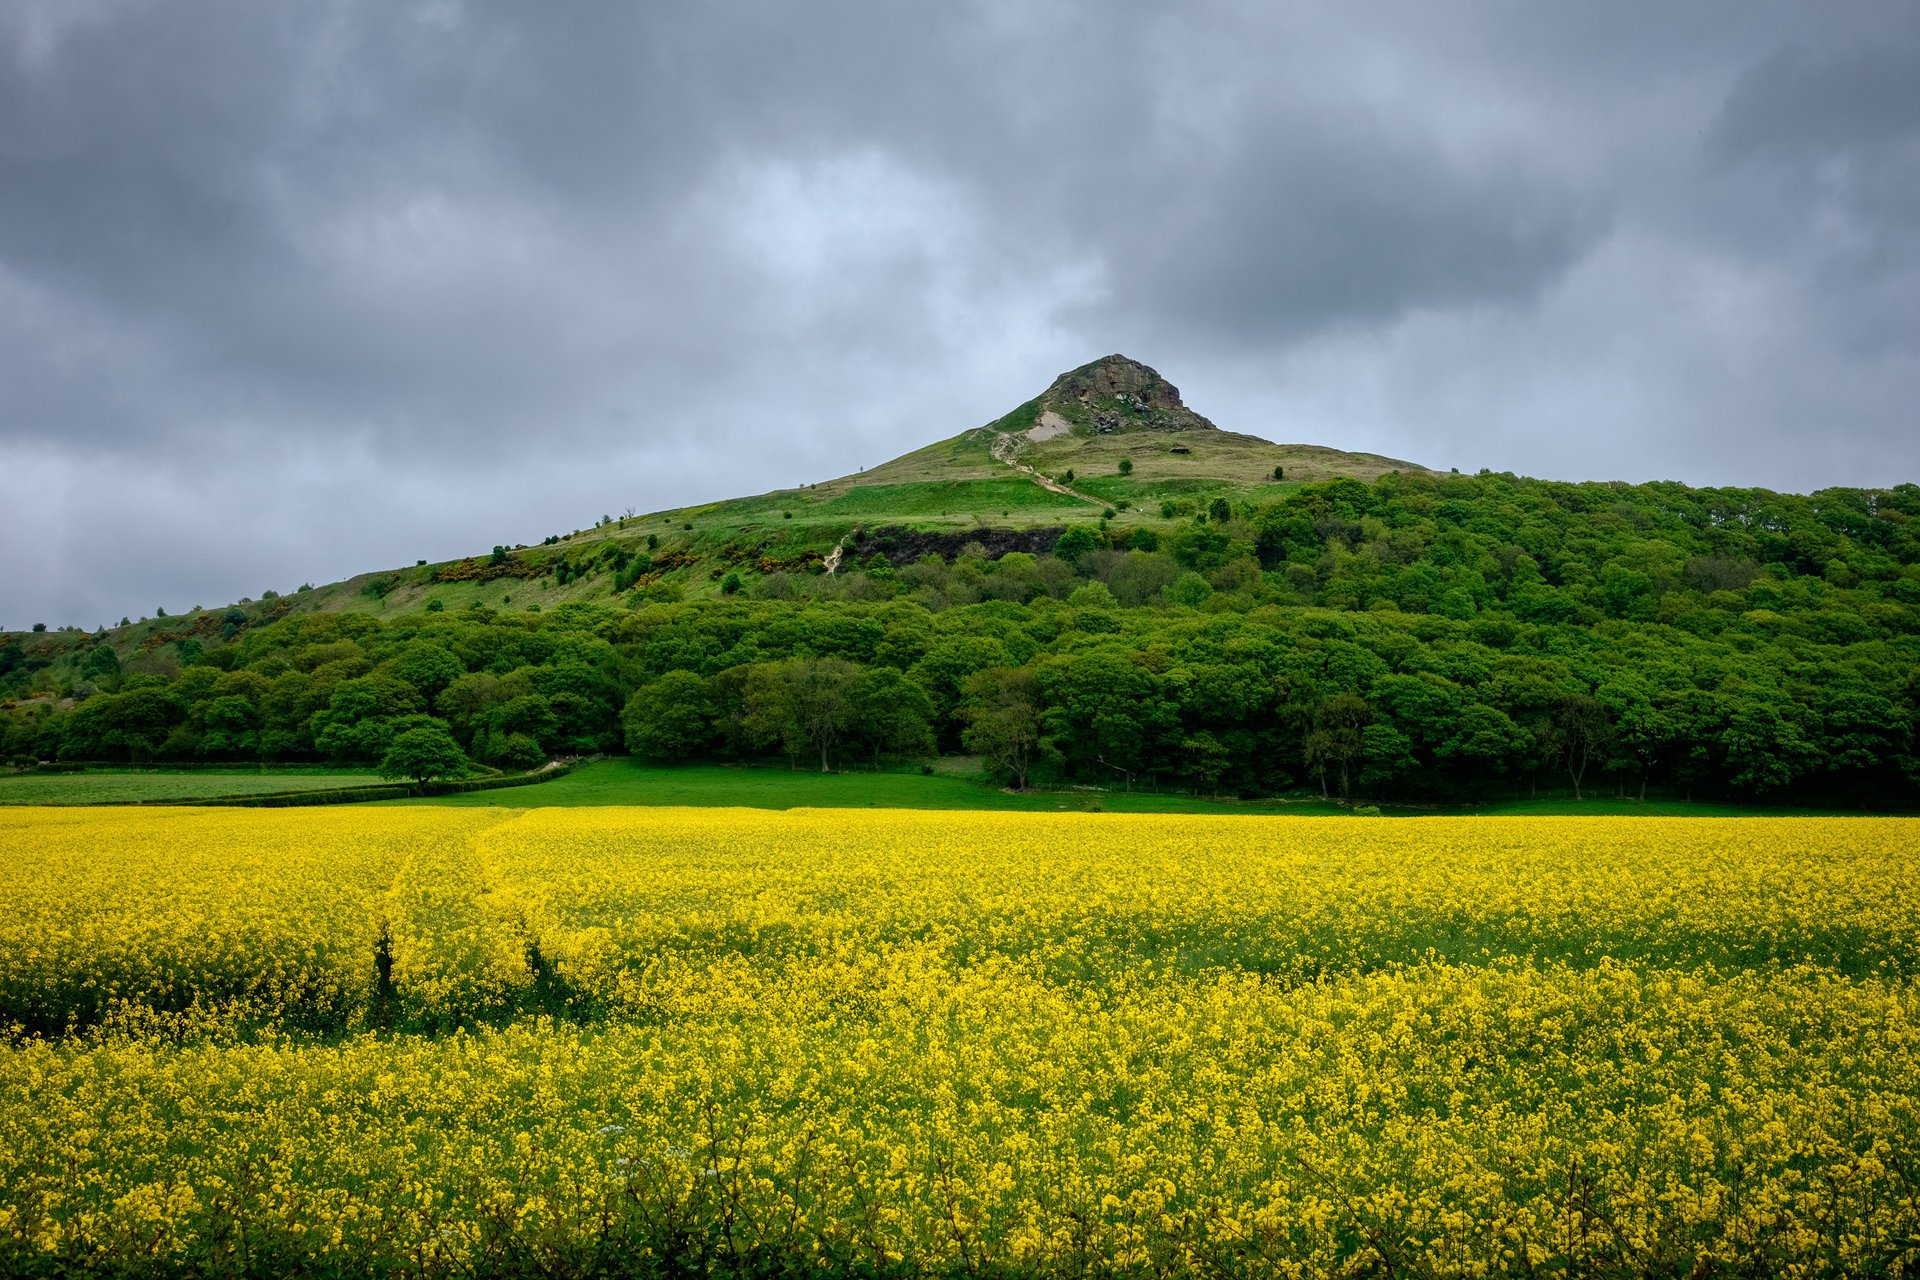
951	485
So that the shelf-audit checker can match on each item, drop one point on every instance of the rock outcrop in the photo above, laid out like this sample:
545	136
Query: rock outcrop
1117	394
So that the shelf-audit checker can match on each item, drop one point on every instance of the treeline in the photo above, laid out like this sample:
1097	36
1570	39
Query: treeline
1417	637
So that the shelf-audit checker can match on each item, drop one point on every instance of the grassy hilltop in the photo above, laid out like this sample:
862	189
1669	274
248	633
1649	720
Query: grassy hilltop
1115	426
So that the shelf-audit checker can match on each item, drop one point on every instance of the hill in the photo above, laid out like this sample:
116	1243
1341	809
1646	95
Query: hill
1413	637
1128	441
1109	440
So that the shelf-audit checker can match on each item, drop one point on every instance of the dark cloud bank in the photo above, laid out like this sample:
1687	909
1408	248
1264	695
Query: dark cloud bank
288	292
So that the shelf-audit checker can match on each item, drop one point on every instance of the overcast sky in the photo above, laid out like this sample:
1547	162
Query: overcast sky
292	291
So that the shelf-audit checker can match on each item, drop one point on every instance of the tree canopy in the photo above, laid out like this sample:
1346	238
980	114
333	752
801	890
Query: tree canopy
1419	637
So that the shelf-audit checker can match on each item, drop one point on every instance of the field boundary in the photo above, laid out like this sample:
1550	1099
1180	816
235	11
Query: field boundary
329	795
382	791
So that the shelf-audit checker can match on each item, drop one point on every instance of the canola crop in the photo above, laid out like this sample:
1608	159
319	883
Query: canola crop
739	1042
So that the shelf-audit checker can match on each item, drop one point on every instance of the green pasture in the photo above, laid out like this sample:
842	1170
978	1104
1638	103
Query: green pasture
120	786
625	781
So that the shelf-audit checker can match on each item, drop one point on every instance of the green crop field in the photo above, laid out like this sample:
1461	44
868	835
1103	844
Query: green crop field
119	786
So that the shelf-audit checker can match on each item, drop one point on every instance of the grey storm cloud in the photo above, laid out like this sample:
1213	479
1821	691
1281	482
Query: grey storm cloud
290	292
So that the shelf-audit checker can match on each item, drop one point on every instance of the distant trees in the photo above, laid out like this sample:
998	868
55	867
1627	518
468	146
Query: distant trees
810	702
1498	633
1126	466
817	708
1001	711
102	663
670	719
1578	734
1077	542
429	668
129	726
892	715
1336	742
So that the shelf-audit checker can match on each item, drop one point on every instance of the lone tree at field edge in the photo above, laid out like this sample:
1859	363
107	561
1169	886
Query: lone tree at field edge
422	754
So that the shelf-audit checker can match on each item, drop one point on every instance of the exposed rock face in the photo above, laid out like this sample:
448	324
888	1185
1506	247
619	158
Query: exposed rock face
1118	394
902	546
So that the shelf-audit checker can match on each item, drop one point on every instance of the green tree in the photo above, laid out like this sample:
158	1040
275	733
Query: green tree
1580	732
121	726
1001	709
102	663
1104	713
1076	543
231	727
429	668
821	702
1484	741
1337	741
1126	466
422	753
892	715
1190	590
1766	749
669	719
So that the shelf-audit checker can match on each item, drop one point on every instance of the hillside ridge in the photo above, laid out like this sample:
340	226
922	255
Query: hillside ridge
1111	440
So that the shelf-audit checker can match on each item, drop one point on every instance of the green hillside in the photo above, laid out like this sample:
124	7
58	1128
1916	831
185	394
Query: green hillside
1118	428
1055	593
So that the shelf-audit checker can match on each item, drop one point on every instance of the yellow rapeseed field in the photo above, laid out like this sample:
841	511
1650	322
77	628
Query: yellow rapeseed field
660	1041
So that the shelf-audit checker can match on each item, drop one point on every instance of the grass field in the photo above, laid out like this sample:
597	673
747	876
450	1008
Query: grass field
625	781
665	1041
113	786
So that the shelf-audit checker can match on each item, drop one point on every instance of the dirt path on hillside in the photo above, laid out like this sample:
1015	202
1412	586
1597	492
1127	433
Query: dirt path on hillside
1005	449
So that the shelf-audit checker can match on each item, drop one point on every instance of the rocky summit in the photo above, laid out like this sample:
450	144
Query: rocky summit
1115	394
